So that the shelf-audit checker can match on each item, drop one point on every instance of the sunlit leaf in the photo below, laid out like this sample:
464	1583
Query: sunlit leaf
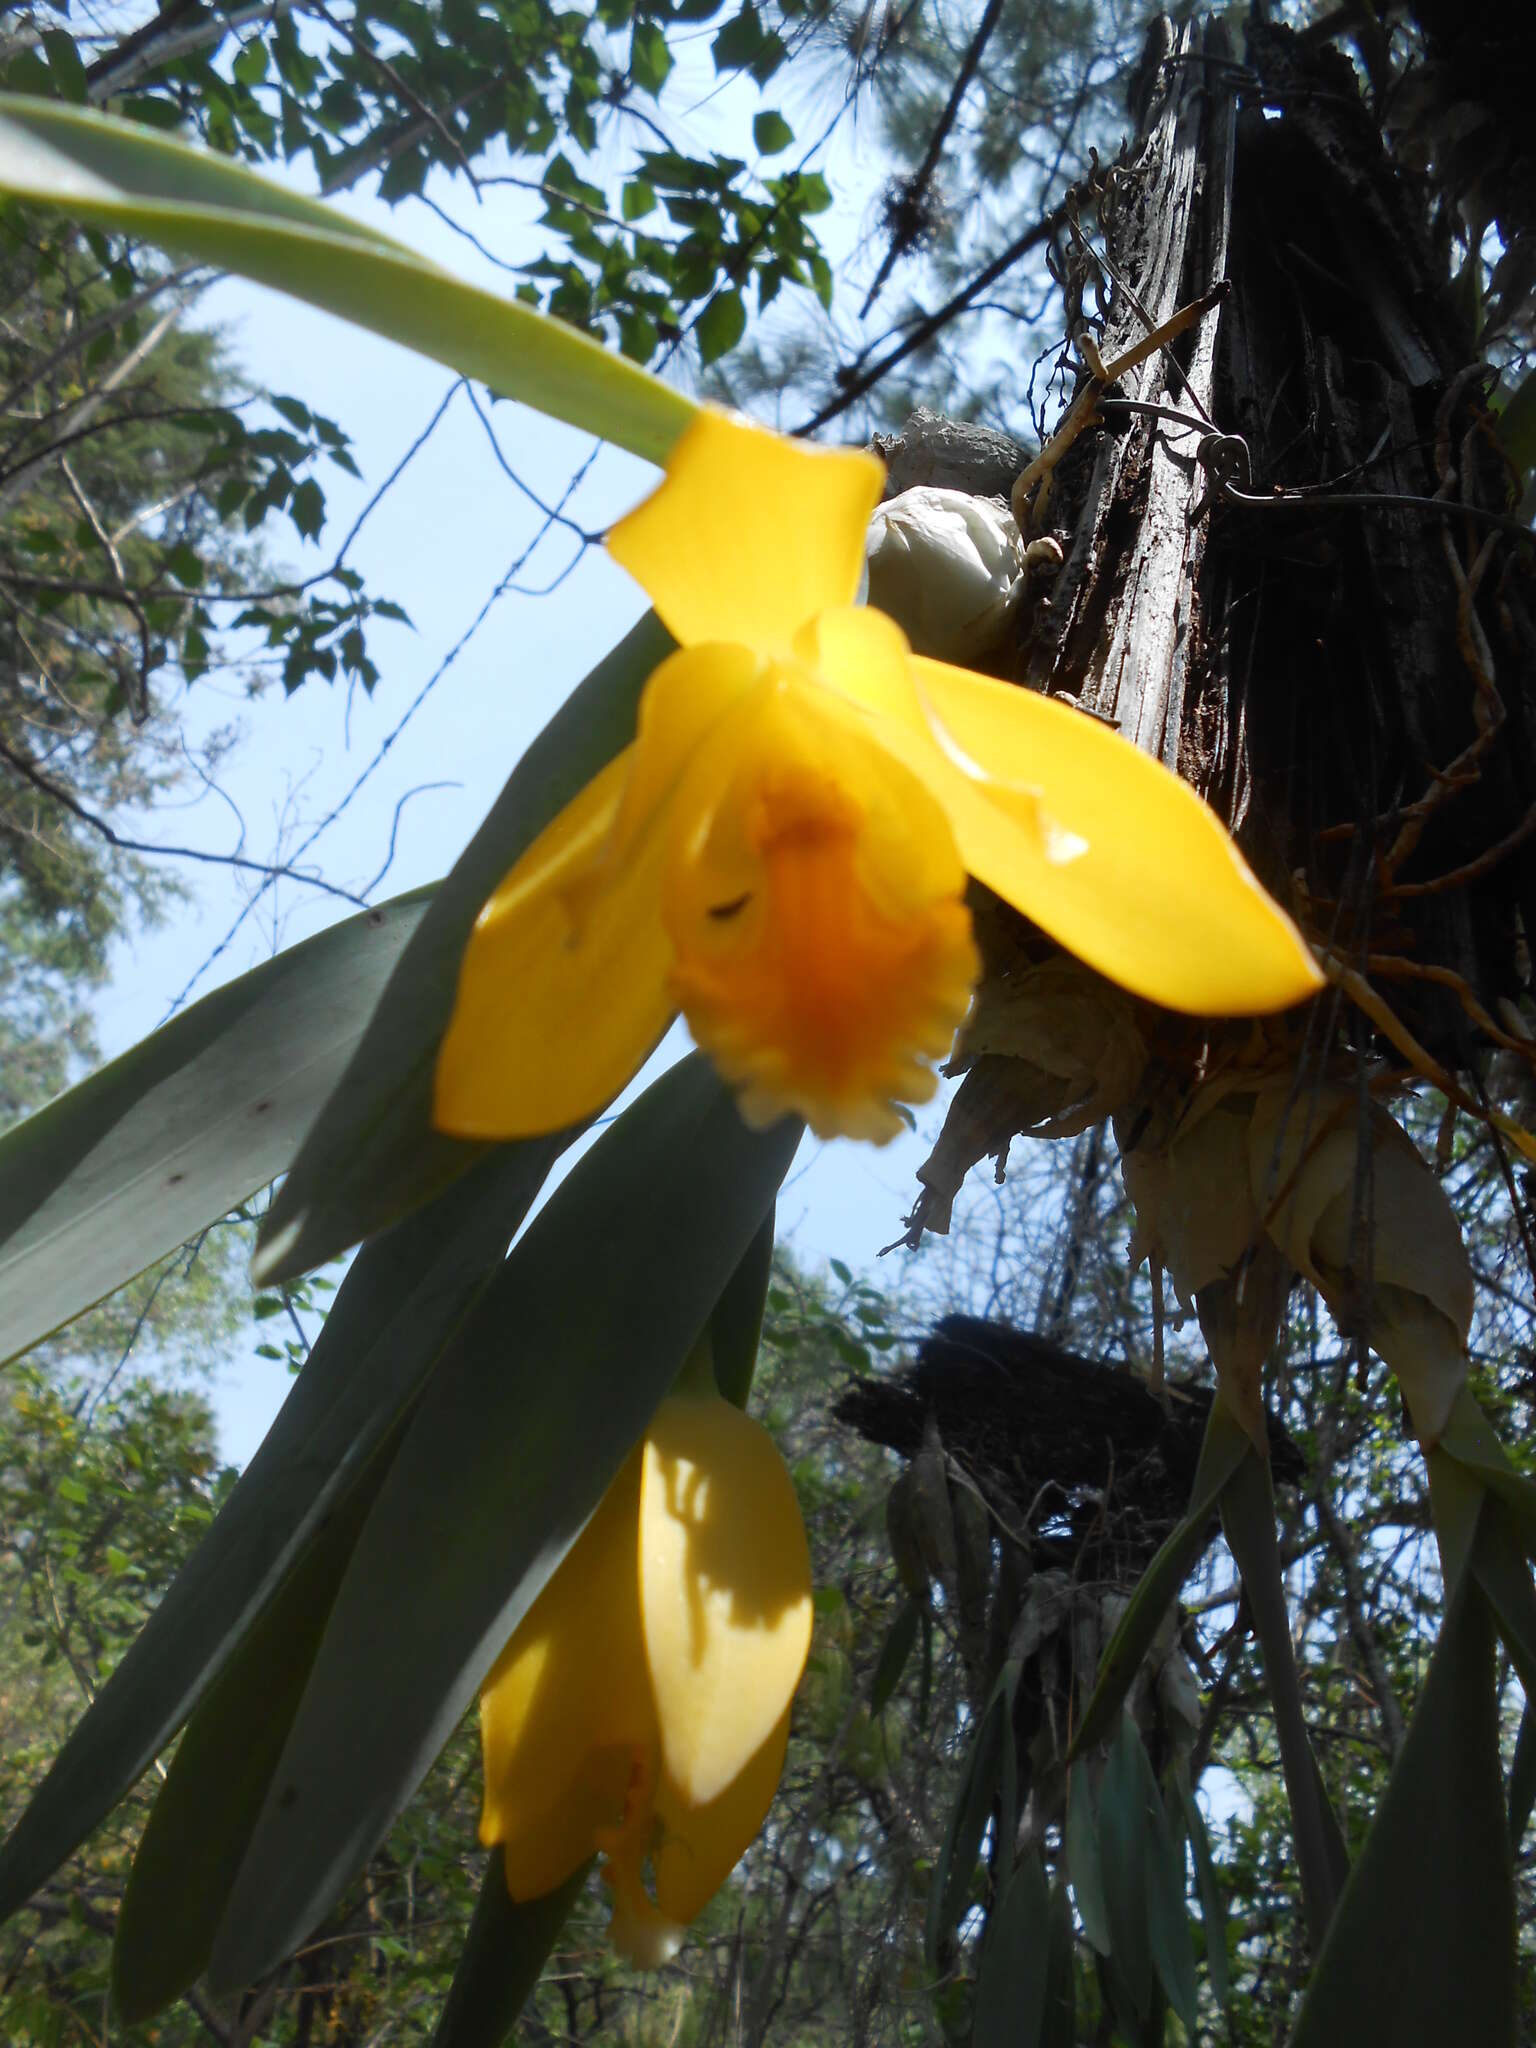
116	174
178	1131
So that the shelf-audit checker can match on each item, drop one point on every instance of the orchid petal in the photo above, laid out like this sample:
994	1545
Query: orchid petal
749	534
725	1591
822	950
701	1845
1125	866
563	986
688	698
568	1705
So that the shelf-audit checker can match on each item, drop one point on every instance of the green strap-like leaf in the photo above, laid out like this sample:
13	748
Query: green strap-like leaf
949	1889
527	1418
1168	1936
1522	1780
394	1312
202	1818
1015	1963
507	1948
180	1130
372	1154
1498	1563
895	1652
1060	2028
121	176
1472	1440
1248	1518
1225	1446
1123	1859
1080	1839
1213	1905
736	1326
1422	1949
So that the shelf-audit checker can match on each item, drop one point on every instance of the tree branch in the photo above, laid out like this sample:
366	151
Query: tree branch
270	870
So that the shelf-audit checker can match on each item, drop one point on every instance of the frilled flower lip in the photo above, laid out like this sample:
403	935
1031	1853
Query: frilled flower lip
750	550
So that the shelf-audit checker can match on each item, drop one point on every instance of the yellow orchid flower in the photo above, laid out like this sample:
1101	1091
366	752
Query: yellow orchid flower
642	1707
781	853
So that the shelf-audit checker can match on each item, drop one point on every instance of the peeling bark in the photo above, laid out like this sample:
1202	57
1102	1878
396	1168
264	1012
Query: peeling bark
1312	665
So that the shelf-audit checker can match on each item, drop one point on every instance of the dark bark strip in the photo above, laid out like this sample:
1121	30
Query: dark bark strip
1117	632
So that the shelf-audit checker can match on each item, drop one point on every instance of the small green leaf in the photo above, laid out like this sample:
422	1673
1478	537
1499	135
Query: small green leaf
738	45
65	66
250	66
650	61
772	133
721	325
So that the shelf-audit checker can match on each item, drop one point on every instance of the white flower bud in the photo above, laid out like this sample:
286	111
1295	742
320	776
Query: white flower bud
948	568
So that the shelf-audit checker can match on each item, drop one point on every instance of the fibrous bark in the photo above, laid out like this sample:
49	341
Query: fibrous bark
1348	679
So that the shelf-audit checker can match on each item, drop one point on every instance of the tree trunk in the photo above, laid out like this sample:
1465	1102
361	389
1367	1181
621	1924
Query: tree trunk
1346	678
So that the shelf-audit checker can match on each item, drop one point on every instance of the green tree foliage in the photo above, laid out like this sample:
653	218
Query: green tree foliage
647	244
134	480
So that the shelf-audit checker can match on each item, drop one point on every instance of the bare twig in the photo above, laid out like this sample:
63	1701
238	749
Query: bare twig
270	871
